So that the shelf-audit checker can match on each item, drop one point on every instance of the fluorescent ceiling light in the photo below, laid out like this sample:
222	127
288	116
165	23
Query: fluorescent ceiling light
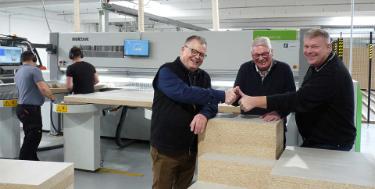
153	7
357	32
102	69
347	35
357	21
229	29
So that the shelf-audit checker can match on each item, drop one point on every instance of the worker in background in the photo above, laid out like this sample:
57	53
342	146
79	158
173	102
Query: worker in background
183	102
264	75
81	77
324	104
31	92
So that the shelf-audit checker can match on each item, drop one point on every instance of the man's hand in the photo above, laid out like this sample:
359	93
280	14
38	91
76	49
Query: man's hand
198	125
271	116
246	103
231	95
44	89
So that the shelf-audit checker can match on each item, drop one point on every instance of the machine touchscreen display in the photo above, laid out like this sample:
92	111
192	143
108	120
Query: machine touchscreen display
10	56
136	48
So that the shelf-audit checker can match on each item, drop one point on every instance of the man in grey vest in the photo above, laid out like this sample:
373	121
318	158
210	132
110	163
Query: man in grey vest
31	92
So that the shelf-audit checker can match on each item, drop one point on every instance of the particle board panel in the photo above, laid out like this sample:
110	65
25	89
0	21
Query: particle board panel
236	171
224	108
19	174
243	136
207	185
125	97
323	169
57	89
128	97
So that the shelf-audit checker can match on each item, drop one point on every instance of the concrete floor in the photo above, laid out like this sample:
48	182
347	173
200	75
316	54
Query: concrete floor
132	160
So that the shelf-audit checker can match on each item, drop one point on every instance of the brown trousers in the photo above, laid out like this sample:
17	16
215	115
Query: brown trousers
172	171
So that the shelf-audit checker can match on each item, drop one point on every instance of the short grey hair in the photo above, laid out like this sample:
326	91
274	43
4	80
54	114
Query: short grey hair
317	32
196	37
261	41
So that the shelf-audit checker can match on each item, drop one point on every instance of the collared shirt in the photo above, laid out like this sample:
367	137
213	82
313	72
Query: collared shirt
330	57
263	74
279	80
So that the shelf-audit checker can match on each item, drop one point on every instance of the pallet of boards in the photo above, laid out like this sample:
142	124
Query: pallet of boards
239	171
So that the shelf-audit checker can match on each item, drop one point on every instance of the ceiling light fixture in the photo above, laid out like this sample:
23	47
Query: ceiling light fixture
153	7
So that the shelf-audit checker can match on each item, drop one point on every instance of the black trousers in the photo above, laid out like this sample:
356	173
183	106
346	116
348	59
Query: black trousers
31	118
341	147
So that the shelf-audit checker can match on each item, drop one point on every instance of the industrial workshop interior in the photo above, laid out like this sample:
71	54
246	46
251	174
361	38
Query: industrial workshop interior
199	94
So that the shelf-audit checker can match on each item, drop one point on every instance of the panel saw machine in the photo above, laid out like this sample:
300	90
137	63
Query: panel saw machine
11	48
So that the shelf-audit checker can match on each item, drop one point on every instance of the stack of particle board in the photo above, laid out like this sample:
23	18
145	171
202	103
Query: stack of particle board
324	169
239	151
246	136
18	174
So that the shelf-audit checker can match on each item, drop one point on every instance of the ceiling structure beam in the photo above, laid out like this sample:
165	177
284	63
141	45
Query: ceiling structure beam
266	23
215	15
224	4
33	3
141	16
77	18
133	12
233	14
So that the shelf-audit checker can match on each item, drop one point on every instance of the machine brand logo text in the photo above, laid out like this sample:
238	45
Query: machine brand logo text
80	39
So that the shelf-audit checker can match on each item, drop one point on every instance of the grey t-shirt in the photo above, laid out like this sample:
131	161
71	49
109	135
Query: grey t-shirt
26	78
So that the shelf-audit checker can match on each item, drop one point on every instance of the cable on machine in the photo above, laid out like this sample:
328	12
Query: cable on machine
120	125
58	131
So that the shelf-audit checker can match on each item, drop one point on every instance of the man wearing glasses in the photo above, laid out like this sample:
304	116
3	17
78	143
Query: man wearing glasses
264	75
183	102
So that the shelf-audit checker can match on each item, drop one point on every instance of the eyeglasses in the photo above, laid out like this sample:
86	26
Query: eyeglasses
195	52
263	55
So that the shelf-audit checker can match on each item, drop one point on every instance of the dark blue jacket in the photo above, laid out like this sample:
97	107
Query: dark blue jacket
178	96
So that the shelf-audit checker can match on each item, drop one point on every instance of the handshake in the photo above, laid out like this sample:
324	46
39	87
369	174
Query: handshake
231	95
246	102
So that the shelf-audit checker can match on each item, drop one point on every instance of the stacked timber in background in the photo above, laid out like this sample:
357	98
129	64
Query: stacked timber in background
360	66
238	152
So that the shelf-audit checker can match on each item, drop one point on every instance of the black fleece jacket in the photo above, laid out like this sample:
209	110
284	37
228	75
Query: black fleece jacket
324	104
